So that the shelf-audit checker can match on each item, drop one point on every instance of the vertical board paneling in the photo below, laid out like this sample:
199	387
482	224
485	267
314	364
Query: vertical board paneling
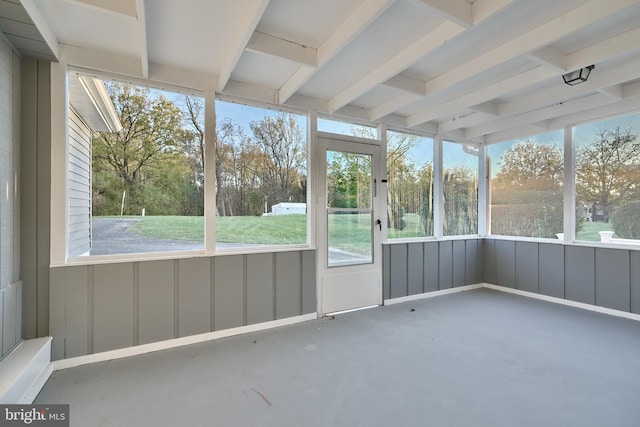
445	267
386	272
6	185
505	261
431	266
612	279
459	263
17	144
579	274
2	350
398	270
471	261
156	301
9	301
551	269
489	247
194	296
57	318
309	296
414	268
288	286
635	282
527	266
112	306
77	316
260	288
229	292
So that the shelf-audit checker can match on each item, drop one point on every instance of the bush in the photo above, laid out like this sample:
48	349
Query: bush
626	220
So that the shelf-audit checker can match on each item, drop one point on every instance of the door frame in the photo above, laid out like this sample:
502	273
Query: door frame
330	279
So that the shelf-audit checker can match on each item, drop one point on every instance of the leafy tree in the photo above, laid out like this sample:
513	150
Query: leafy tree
607	170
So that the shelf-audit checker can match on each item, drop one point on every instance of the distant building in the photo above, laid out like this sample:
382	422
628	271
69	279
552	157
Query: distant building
289	208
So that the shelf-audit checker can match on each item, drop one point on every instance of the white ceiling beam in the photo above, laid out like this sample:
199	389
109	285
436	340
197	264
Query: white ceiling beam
545	34
407	84
560	109
550	57
517	133
394	105
397	63
42	25
616	46
490	108
254	11
142	31
355	23
107	62
463	122
269	45
120	7
182	78
458	11
485	9
615	92
484	94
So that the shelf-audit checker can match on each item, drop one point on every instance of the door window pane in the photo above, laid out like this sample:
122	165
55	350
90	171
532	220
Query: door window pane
460	189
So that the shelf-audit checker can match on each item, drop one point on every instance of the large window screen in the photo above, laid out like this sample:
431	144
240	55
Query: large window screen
410	185
261	177
608	180
135	169
460	188
526	186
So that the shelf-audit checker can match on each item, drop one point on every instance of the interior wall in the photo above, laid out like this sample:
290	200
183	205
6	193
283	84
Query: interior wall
606	277
96	308
10	284
35	175
420	267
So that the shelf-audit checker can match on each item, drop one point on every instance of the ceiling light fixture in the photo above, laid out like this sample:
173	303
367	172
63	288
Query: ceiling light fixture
578	76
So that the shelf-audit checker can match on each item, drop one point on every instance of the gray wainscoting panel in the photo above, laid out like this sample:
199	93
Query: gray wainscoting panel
57	321
551	269
229	292
415	269
156	301
580	274
112	306
386	272
77	311
612	279
488	249
431	266
309	296
635	282
288	277
471	261
505	259
194	296
9	299
260	288
459	262
398	270
446	265
527	266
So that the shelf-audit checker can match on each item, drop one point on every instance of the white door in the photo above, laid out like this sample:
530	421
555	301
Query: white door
350	199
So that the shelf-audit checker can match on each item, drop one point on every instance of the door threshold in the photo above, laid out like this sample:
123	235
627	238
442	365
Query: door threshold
335	313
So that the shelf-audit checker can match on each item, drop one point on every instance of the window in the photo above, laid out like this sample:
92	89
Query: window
410	185
460	188
347	128
136	169
608	179
527	186
261	177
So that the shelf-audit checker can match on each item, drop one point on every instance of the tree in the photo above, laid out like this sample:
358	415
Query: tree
527	195
607	170
151	135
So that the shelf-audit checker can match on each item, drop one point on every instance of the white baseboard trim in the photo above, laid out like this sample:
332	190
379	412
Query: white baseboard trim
433	294
590	307
25	370
176	342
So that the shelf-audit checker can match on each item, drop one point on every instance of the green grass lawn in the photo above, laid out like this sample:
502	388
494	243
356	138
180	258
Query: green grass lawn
590	231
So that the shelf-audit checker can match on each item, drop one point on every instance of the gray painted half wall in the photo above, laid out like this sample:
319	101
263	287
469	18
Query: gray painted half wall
104	307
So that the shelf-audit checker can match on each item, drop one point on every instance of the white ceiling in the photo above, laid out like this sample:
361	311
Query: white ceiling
483	70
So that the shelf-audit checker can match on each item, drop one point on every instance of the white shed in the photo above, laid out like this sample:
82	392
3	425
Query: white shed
289	208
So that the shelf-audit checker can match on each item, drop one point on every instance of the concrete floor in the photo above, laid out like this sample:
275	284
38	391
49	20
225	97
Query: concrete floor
478	358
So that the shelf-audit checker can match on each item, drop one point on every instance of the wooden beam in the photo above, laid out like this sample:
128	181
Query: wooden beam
142	31
616	92
407	84
355	23
254	11
42	25
269	45
490	108
550	57
394	105
458	11
622	44
121	7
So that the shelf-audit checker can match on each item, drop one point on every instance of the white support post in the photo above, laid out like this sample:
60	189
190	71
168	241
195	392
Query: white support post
438	207
210	172
569	186
484	202
312	179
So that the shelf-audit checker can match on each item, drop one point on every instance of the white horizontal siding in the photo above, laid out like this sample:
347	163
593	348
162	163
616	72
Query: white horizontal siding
79	186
